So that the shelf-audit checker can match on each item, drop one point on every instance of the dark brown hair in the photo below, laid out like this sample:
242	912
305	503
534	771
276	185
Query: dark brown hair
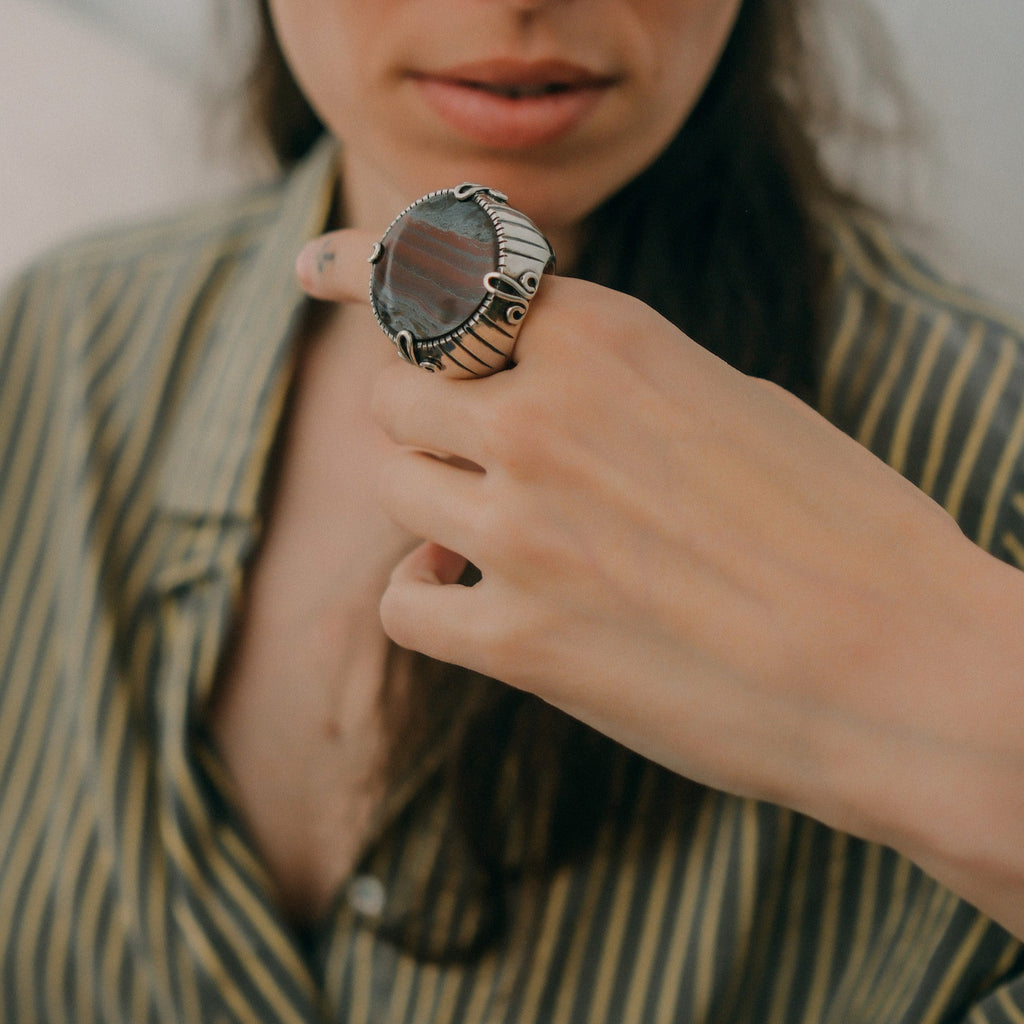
720	234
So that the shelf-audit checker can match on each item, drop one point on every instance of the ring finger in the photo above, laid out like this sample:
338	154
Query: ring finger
436	499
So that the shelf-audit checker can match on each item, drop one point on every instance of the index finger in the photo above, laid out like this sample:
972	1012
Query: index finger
335	267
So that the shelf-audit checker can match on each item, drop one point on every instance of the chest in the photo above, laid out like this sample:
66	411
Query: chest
298	714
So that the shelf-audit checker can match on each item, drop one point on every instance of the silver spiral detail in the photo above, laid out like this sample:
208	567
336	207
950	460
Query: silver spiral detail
525	286
467	190
514	292
406	345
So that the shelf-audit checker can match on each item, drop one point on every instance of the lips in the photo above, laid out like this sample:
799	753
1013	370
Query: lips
512	104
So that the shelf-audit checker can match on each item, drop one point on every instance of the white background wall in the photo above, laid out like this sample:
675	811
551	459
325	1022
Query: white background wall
963	182
103	115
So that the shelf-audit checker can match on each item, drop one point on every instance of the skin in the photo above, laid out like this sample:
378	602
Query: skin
797	623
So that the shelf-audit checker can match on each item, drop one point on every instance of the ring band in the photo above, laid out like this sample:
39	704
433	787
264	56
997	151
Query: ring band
453	277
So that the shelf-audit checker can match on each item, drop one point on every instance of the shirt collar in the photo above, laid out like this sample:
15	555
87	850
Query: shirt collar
220	441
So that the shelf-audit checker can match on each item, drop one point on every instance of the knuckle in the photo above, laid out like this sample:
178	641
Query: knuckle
518	426
382	404
390	397
397	617
513	643
494	530
389	482
500	640
393	619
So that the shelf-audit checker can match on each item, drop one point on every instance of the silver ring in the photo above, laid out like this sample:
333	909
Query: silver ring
453	277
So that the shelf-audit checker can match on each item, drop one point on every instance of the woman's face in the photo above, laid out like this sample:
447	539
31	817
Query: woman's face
556	102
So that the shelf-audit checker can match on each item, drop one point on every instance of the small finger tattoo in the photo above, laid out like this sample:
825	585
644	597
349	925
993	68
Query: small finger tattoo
325	258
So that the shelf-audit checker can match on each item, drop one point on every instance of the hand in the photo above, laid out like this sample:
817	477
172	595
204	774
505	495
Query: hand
699	565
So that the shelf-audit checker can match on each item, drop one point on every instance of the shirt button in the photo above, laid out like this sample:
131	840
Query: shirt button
366	895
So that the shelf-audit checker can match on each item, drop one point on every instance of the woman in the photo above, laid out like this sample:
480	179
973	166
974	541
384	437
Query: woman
231	797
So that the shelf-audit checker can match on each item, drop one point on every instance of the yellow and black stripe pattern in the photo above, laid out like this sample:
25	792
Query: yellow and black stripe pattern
142	378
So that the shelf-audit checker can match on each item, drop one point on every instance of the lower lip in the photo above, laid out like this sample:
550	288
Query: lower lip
499	122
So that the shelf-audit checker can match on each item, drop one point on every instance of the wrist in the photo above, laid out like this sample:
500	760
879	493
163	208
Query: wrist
947	790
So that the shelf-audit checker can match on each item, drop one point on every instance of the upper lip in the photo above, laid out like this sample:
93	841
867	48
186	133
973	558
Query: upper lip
517	77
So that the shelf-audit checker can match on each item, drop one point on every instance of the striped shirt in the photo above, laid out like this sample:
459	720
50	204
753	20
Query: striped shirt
142	381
